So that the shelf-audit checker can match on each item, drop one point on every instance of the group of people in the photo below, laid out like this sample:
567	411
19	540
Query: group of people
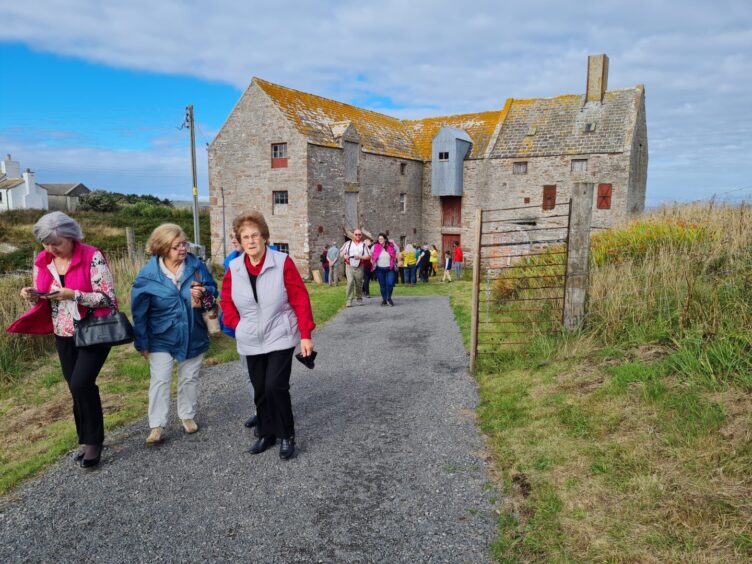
384	261
264	301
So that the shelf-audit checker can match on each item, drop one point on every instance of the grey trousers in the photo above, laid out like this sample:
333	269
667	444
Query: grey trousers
354	282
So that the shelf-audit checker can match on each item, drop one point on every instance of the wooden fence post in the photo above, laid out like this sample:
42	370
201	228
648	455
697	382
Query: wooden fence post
476	290
130	238
578	253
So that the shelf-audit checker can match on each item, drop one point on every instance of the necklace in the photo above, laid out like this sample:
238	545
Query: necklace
62	267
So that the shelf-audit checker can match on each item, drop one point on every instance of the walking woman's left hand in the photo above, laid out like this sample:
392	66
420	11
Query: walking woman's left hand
306	347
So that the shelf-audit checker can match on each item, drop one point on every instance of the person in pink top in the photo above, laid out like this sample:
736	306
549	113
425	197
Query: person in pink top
71	281
383	262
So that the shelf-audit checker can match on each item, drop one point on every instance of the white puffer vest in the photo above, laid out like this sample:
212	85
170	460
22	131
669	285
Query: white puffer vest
271	324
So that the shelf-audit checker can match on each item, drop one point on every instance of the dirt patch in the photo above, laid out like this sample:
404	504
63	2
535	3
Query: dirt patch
522	484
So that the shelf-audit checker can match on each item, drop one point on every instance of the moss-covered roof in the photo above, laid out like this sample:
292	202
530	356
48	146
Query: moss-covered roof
558	125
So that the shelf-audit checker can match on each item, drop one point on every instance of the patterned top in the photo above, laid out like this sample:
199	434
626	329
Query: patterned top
65	312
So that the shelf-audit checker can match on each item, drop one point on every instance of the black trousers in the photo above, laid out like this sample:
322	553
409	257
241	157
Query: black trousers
81	367
270	376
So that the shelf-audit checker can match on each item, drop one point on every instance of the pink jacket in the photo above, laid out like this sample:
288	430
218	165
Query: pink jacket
38	320
377	250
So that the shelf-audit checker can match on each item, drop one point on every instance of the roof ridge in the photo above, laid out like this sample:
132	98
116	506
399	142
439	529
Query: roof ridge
261	80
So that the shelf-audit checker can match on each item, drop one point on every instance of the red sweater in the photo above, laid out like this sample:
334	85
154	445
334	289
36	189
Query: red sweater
457	254
297	295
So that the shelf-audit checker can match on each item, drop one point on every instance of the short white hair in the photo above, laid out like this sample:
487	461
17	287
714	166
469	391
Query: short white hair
52	226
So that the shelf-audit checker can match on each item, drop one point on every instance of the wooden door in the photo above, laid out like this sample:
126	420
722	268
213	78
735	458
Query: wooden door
451	211
447	244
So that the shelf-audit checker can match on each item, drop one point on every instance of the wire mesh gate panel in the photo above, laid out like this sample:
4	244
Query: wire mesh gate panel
519	276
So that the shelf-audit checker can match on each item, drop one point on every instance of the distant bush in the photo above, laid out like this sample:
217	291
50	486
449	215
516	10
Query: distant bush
98	201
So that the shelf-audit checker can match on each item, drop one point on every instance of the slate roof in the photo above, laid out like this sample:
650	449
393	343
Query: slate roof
63	189
559	125
560	122
8	183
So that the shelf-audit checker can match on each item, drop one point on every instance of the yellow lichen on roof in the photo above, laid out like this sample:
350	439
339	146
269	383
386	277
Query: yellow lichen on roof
479	126
314	116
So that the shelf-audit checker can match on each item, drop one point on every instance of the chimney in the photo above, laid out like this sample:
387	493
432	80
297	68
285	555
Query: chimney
11	168
597	78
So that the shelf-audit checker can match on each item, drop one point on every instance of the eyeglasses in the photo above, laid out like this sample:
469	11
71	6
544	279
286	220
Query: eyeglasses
246	236
358	234
179	246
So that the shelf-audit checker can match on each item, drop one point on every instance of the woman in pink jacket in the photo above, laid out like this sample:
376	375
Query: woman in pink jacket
383	262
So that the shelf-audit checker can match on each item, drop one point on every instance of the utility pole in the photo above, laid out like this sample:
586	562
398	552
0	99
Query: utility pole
189	118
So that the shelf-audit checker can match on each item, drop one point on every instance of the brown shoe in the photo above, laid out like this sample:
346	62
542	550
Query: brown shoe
156	436
190	426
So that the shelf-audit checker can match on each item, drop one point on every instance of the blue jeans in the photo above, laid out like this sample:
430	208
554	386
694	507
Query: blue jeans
410	274
326	274
457	270
385	277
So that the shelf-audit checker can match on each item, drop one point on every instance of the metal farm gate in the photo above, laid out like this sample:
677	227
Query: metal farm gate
529	272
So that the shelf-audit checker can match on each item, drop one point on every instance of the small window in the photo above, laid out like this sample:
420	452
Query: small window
579	165
589	127
403	202
532	130
279	155
519	168
403	168
403	238
321	229
280	197
283	247
549	197
444	156
1	197
526	200
319	187
604	196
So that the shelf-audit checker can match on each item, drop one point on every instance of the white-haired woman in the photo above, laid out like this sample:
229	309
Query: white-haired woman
166	300
71	280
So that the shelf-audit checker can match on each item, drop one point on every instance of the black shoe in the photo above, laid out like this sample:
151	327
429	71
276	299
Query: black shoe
79	456
287	448
90	462
383	302
262	444
251	422
256	432
391	303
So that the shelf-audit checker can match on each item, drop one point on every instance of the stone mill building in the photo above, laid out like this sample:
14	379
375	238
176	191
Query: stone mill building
316	167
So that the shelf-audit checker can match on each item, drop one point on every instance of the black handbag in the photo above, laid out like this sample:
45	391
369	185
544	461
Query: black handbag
113	329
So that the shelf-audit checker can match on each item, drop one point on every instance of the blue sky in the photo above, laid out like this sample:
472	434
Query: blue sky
94	91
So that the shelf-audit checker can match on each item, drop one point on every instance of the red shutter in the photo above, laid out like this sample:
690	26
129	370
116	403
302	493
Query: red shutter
604	196
279	162
549	197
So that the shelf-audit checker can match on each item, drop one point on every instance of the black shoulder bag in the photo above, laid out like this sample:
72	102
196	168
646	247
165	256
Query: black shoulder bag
113	329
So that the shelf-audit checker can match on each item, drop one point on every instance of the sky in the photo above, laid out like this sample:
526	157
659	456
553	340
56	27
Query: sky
95	91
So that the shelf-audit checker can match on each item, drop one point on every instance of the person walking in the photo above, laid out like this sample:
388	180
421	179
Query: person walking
332	256
434	260
410	264
267	303
368	275
384	261
457	260
447	267
353	252
71	281
167	299
324	260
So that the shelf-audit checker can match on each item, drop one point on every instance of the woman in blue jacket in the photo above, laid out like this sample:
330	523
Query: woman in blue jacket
167	300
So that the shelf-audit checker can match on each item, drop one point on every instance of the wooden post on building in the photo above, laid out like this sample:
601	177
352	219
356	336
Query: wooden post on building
476	290
578	255
130	238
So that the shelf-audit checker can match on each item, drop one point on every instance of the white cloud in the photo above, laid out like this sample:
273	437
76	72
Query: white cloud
436	57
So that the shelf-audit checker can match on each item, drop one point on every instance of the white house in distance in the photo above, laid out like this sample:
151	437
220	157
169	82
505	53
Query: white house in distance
19	191
65	197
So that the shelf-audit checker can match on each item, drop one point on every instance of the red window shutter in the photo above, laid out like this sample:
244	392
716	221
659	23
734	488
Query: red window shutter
279	162
604	196
549	197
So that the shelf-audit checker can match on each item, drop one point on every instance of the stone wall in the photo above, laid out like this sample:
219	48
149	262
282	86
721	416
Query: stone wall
491	184
240	164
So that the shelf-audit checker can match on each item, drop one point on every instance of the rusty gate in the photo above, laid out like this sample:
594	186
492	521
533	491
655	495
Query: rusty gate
523	263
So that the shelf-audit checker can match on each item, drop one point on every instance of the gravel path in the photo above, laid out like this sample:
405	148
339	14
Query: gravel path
390	465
